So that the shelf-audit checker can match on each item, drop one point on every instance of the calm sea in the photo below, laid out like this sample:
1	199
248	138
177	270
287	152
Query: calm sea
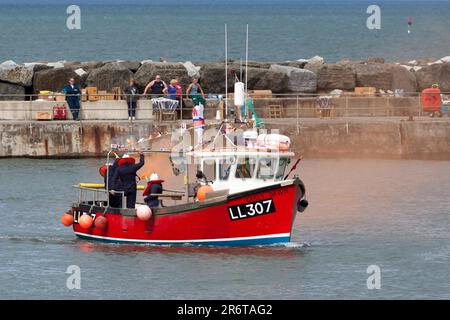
392	214
193	30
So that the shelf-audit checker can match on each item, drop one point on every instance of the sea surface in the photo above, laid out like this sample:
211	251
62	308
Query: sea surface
392	214
179	30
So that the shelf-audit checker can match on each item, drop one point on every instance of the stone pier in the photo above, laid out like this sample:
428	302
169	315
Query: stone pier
362	137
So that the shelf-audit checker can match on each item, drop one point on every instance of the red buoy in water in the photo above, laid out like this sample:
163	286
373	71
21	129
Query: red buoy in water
101	222
67	219
86	221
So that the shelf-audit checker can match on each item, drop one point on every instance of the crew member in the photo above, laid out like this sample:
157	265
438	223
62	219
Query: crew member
154	186
73	92
115	200
124	178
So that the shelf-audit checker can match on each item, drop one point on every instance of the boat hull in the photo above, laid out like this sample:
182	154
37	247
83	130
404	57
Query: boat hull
259	217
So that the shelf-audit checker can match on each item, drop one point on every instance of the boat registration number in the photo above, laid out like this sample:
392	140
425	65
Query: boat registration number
252	209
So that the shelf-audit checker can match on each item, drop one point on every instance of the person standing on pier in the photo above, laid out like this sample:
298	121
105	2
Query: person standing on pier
195	92
172	90
131	92
157	87
124	178
73	93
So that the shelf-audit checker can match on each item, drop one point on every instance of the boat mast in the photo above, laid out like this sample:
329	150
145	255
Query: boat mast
246	61
226	73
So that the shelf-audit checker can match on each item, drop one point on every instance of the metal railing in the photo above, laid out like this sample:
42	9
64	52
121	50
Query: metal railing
93	195
289	106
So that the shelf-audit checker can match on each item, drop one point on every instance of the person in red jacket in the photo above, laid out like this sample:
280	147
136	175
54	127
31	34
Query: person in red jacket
154	186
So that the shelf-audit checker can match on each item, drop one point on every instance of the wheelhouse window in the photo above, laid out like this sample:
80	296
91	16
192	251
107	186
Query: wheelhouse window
245	168
282	168
267	168
224	168
209	169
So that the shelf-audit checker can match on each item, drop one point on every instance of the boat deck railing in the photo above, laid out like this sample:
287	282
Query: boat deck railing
97	197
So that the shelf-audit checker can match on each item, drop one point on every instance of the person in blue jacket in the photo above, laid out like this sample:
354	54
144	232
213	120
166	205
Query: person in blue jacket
73	93
154	187
124	178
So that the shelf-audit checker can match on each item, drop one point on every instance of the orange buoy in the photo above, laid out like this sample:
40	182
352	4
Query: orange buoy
86	221
202	191
101	222
67	219
102	170
144	212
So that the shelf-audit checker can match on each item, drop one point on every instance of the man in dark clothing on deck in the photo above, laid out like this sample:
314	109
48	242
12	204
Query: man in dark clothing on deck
124	178
115	200
73	92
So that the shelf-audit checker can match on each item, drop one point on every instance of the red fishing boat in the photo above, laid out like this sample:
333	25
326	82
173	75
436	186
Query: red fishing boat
245	198
242	195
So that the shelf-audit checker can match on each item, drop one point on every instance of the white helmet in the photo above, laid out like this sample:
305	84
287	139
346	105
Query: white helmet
154	176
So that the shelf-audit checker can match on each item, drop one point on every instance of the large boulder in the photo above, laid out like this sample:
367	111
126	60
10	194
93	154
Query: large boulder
267	79
336	76
192	69
168	71
212	77
403	79
37	66
10	91
375	60
88	66
54	79
16	74
296	64
129	64
314	64
374	75
435	73
109	76
299	80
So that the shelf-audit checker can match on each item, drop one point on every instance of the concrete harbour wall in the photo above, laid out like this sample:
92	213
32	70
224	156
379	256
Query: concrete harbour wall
385	138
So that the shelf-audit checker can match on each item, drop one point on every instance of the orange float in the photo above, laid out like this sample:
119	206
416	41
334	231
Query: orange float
144	212
67	219
202	191
86	221
101	222
102	170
